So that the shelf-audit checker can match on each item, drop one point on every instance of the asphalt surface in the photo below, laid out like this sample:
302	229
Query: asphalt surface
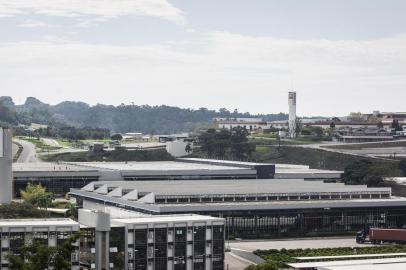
233	262
14	149
251	246
29	153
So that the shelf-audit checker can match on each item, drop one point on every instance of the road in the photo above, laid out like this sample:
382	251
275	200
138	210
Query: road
234	262
14	149
29	153
379	152
295	243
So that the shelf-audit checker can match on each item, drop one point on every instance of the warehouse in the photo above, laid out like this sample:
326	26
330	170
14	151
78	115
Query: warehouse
256	207
58	178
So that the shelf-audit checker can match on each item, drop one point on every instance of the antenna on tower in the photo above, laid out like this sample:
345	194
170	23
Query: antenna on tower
291	82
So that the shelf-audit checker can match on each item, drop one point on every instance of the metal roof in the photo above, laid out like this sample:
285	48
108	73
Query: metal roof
351	256
249	186
38	222
352	263
154	166
165	219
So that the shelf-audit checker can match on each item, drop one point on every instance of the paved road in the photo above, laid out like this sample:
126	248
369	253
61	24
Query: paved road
29	154
233	262
14	149
295	243
382	151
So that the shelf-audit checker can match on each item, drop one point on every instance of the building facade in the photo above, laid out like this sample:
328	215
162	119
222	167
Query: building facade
175	242
257	208
15	234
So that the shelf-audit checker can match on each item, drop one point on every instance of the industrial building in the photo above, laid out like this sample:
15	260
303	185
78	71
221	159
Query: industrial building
176	242
256	208
110	238
59	178
15	234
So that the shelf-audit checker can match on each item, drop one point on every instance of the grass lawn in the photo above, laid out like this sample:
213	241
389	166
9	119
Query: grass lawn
40	144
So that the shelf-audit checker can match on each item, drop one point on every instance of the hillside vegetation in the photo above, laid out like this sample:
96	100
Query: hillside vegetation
123	118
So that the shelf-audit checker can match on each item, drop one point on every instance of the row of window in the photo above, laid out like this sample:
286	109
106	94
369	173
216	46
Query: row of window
170	200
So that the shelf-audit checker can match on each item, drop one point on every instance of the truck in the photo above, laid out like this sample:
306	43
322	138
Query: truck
381	236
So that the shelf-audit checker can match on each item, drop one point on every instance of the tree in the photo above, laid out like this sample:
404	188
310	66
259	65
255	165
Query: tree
264	266
240	147
38	256
117	137
298	126
332	125
364	172
226	143
313	131
402	166
188	148
206	141
36	195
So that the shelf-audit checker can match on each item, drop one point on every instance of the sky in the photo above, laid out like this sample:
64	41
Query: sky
340	56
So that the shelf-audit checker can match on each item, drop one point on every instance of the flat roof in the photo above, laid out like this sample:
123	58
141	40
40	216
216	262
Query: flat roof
37	222
165	219
241	186
325	265
50	167
154	166
222	162
350	256
378	266
238	206
180	167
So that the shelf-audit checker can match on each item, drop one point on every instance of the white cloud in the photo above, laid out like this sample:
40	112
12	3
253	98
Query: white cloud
233	71
34	24
99	8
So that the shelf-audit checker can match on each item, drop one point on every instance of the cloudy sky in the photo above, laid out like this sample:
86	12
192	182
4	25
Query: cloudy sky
339	55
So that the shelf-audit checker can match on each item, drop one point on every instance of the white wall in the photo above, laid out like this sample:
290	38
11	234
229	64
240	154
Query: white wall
177	148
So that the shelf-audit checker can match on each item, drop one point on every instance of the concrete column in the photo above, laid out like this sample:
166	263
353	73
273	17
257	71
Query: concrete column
102	250
6	161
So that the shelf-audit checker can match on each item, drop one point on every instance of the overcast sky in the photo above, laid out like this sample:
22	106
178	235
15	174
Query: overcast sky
339	55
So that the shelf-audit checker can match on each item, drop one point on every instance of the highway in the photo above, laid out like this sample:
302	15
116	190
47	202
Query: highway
29	153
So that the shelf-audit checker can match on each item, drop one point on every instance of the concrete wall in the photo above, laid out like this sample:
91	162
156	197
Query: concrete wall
177	148
6	160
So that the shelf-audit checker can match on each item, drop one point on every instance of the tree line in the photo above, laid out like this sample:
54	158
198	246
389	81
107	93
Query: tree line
226	144
161	119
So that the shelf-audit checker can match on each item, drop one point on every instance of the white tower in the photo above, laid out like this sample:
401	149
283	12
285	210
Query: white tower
6	162
292	114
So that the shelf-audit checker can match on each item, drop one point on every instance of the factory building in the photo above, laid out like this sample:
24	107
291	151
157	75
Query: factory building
171	242
59	178
256	208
